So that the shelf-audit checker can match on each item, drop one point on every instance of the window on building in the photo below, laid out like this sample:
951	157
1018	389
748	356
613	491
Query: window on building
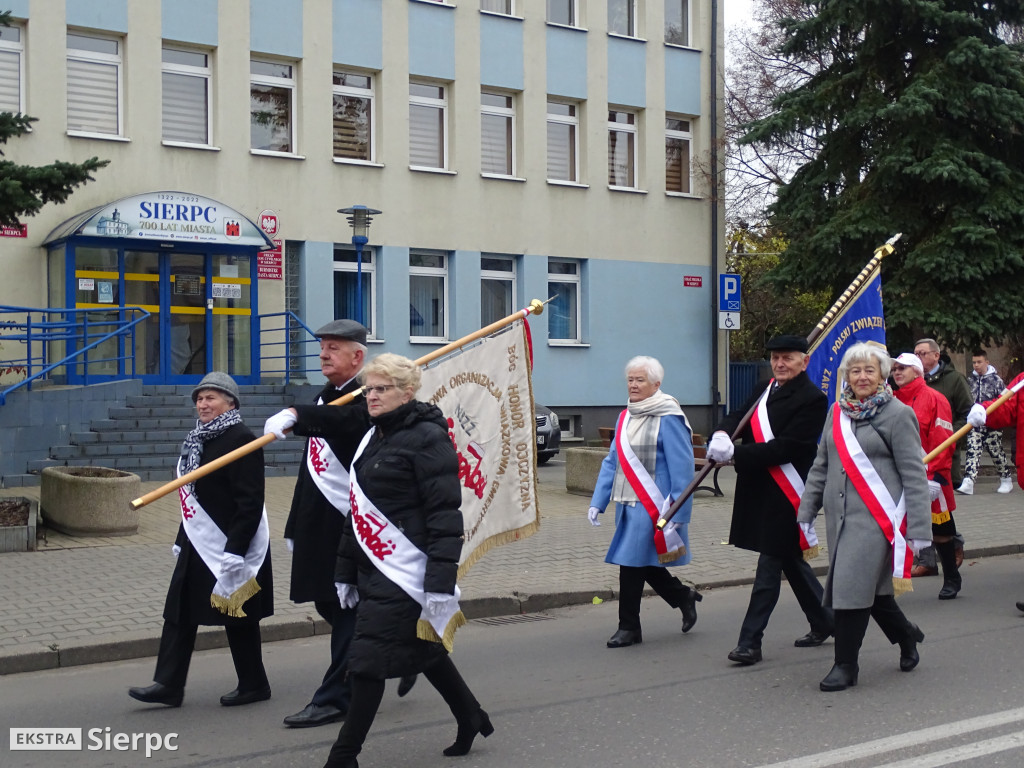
563	142
622	154
678	147
346	277
428	295
677	22
428	125
272	106
12	57
498	6
564	311
497	287
497	134
353	117
622	17
94	84
186	81
564	12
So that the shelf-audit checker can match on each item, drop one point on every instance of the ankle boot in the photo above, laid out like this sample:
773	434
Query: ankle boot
479	723
689	608
841	677
909	657
951	580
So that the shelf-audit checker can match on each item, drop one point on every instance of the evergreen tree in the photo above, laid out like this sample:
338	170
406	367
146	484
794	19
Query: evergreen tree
919	114
24	189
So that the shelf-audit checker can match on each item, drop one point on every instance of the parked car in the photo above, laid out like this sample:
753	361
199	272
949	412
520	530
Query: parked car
549	435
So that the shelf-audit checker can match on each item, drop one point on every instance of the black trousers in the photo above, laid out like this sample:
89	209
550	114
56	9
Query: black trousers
631	590
335	689
178	641
366	697
852	624
764	596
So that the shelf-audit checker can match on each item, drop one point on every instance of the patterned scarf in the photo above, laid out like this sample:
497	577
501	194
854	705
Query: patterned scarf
642	434
864	409
192	448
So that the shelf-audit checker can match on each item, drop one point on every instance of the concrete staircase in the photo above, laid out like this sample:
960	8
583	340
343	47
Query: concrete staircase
144	435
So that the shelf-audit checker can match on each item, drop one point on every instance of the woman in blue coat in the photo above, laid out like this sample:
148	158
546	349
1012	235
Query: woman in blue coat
647	468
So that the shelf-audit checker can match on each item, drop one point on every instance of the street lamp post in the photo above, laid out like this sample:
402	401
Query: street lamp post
359	218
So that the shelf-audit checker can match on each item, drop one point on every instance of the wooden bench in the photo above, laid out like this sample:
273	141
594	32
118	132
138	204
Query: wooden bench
700	453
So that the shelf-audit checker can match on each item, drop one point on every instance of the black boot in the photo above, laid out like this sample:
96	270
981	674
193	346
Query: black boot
909	657
366	696
689	608
841	677
850	628
951	580
460	700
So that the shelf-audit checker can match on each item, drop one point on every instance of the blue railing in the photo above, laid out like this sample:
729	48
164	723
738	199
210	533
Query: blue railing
295	336
743	380
42	334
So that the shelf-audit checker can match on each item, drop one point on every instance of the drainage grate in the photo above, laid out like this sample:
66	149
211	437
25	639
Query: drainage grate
500	621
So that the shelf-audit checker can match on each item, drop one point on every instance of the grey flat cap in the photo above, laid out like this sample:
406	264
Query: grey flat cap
344	329
219	381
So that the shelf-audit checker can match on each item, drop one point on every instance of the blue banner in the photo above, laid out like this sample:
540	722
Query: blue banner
861	319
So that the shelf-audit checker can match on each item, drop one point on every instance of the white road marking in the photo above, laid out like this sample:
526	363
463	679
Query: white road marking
963	753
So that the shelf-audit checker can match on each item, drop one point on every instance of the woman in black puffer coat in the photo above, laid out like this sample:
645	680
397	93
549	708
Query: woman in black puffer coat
406	478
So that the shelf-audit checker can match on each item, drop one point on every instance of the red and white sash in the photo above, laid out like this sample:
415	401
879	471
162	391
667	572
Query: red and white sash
401	561
208	540
328	473
669	546
784	475
891	516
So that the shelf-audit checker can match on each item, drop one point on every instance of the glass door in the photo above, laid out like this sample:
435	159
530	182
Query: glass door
184	329
231	336
142	289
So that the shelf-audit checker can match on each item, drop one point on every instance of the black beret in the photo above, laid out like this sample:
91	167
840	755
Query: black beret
343	329
788	341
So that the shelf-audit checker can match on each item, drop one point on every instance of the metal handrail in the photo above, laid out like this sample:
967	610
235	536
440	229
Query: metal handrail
293	361
43	333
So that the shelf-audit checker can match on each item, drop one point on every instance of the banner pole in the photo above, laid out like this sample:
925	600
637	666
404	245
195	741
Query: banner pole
880	253
536	307
1007	394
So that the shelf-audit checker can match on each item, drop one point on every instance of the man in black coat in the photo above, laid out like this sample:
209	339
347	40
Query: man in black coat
320	504
775	458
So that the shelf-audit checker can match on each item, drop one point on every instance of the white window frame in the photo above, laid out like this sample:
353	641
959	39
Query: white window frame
17	49
574	279
355	92
508	114
369	276
632	21
194	71
510	7
687	137
687	20
629	129
431	103
574	13
574	122
441	272
86	57
288	83
501	276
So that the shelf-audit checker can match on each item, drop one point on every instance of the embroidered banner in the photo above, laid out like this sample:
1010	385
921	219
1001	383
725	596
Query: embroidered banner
486	395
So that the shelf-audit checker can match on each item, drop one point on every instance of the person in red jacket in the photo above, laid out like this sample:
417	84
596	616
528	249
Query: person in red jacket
1009	414
936	423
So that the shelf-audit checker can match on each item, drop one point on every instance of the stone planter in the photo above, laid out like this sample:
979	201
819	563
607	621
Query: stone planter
582	466
15	535
89	501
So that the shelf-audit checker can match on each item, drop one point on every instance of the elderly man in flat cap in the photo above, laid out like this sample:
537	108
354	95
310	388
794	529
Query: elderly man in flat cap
777	451
321	503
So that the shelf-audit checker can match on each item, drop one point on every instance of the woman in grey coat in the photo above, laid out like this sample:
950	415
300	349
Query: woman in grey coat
869	478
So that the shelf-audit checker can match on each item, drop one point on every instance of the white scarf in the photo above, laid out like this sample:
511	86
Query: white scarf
401	561
642	436
328	473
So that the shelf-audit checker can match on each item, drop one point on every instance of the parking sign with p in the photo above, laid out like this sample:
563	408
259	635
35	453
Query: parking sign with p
728	293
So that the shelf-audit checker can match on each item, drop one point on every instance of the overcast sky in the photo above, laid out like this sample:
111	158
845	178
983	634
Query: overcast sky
737	12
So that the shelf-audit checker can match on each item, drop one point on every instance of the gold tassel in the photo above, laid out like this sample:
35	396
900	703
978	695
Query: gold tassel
424	631
899	586
938	518
675	554
232	605
811	552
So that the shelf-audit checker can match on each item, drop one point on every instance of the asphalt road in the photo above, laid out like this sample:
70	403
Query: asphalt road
558	697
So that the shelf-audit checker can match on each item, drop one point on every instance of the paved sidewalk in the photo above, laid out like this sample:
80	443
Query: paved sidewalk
87	600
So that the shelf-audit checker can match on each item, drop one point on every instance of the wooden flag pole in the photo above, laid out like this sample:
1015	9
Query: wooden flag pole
880	253
536	307
1007	394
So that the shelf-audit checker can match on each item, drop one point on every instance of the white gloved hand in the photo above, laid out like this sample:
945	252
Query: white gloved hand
175	550
348	595
934	490
916	545
290	543
592	514
805	528
721	448
279	422
976	417
670	526
230	563
436	601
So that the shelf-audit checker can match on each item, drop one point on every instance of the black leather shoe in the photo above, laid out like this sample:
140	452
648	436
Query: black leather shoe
909	657
689	609
1020	606
812	639
158	694
745	656
405	685
314	715
625	637
237	698
841	677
